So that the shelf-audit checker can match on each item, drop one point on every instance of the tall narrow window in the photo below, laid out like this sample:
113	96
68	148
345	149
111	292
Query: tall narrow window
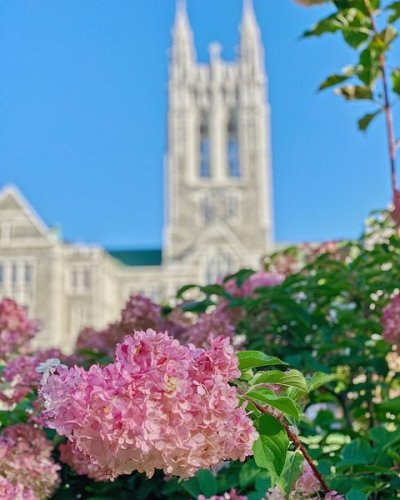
1	275
14	274
233	147
204	148
28	274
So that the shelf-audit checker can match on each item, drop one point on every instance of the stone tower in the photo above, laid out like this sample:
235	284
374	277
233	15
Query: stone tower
218	159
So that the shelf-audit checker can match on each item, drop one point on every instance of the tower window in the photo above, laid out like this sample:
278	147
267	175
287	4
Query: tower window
233	147
28	273
204	149
207	210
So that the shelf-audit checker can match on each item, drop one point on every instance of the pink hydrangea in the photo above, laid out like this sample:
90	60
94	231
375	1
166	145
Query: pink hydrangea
208	327
260	279
231	495
391	321
79	462
139	313
16	329
25	457
275	494
20	377
17	491
307	484
333	495
161	405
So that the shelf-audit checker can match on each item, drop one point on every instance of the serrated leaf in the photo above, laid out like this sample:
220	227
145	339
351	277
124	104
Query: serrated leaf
291	471
254	359
291	378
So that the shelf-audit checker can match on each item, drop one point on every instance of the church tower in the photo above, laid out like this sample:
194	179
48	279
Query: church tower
219	191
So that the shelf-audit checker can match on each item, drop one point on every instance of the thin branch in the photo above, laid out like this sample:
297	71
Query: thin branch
299	445
387	108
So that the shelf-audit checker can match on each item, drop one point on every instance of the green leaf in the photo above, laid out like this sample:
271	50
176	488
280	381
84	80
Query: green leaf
396	80
320	379
291	378
254	359
207	482
271	448
395	8
356	495
358	452
183	289
282	403
355	92
291	471
366	120
332	80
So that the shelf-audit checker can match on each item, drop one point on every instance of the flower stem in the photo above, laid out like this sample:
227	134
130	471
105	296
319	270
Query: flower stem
299	445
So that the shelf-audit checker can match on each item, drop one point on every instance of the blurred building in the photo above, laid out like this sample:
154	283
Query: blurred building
218	191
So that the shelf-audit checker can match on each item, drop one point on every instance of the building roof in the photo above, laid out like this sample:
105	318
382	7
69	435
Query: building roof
151	257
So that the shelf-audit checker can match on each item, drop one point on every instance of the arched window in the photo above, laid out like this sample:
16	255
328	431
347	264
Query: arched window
204	147
218	266
233	147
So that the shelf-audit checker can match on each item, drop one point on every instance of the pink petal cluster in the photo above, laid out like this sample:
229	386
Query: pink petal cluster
160	405
333	495
208	327
10	491
231	495
79	462
307	484
20	377
139	313
260	279
391	321
25	458
16	329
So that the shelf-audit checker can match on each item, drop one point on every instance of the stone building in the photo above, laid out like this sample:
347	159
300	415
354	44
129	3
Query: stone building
218	192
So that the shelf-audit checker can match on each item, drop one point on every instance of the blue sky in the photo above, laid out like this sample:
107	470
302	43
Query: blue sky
83	117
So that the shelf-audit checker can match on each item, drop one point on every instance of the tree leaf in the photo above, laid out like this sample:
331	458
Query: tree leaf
358	452
282	403
365	121
333	80
395	8
396	80
254	359
207	482
355	92
291	378
271	448
291	471
320	379
356	495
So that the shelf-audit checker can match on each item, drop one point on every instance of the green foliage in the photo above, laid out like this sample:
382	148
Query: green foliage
367	27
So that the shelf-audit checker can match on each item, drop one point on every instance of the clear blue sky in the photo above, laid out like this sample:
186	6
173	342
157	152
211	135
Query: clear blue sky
83	117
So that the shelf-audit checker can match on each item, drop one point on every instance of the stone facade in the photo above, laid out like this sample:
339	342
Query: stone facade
218	191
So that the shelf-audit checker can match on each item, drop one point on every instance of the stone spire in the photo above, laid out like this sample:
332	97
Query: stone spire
251	49
183	51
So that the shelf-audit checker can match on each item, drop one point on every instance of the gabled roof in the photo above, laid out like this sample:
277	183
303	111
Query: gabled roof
151	257
11	197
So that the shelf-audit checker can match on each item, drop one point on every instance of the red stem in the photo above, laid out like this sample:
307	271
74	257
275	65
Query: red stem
387	109
298	445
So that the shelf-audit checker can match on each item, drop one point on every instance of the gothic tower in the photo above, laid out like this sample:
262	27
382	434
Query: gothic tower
218	158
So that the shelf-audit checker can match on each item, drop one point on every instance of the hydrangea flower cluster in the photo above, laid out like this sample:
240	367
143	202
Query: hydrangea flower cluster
307	484
231	495
79	462
208	327
160	405
391	321
10	491
20	376
16	329
260	279
25	459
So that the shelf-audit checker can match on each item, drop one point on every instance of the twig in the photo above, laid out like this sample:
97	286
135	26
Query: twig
299	445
